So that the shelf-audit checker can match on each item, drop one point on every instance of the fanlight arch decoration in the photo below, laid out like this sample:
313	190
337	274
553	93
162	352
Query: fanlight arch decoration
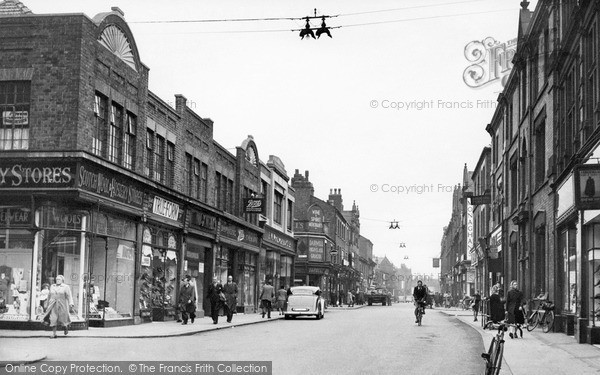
114	39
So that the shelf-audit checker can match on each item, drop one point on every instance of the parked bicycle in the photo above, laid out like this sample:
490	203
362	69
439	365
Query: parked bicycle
493	357
543	315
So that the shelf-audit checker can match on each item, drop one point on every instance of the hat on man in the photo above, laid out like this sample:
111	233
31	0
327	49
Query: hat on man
187	277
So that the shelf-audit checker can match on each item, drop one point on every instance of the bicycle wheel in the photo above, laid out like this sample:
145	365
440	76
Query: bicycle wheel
548	321
497	364
489	358
533	321
419	317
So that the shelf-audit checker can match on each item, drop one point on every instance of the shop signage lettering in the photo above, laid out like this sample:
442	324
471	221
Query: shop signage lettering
53	217
15	117
254	205
203	220
316	219
165	208
469	228
12	216
318	271
238	234
275	238
109	186
23	175
315	249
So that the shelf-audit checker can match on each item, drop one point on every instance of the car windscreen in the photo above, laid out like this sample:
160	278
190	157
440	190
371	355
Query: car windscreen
303	292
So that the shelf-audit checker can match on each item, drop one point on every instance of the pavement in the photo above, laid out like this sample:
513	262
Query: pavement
146	330
538	352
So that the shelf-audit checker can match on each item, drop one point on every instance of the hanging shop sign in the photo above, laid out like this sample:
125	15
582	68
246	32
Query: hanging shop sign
254	205
109	185
565	197
46	174
478	200
587	187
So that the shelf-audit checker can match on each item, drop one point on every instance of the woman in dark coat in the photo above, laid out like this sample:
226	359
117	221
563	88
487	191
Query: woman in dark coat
187	300
514	308
214	290
496	306
231	291
61	301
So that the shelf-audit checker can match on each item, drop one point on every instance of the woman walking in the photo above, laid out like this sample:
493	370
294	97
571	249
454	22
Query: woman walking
60	302
514	309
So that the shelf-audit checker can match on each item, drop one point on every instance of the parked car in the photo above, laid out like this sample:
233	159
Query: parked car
305	300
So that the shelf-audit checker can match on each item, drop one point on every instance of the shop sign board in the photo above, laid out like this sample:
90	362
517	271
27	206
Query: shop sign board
279	238
587	187
478	200
12	216
469	228
165	208
38	174
109	185
316	248
15	118
234	232
203	221
315	222
61	218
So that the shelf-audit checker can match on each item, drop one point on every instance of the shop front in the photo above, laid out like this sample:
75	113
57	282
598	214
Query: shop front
236	254
280	252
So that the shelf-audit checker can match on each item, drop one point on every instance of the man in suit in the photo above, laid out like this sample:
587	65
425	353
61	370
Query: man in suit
187	300
266	296
213	295
420	297
231	290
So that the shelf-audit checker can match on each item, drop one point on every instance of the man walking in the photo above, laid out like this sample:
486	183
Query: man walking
231	290
187	300
266	296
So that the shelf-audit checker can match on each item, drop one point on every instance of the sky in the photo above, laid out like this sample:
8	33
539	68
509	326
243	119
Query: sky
381	110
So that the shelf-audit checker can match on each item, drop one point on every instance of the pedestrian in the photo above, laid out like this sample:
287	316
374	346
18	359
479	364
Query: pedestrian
497	313
216	297
231	291
350	299
60	302
187	300
266	297
281	299
514	308
475	305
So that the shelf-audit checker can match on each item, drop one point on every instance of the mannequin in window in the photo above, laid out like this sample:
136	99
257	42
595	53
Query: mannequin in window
4	282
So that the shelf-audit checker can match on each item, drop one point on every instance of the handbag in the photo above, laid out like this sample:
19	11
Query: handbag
222	297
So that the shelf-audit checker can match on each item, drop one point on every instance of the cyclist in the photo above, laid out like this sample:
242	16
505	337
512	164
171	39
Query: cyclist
420	298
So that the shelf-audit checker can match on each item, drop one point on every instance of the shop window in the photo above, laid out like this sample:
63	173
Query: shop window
159	274
222	264
16	252
568	276
592	245
247	268
14	107
109	284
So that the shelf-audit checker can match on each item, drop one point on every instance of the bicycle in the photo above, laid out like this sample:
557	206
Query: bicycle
420	312
542	316
493	357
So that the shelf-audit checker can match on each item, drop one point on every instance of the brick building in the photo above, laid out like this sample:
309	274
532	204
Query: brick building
105	183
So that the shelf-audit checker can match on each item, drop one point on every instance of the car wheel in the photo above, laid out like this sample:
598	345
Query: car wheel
286	317
319	314
370	303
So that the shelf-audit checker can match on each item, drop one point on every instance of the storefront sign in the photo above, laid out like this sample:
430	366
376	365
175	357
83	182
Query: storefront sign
315	249
203	221
587	187
61	218
165	208
279	238
478	200
109	185
15	216
254	205
469	228
37	174
318	271
236	233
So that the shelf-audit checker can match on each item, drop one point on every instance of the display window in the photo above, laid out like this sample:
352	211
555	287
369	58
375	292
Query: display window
159	273
16	253
247	270
568	253
285	271
61	251
109	286
592	243
223	264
